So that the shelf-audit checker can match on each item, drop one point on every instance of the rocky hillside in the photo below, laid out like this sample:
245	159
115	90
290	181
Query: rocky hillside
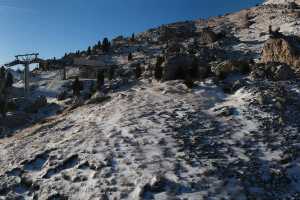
286	2
221	123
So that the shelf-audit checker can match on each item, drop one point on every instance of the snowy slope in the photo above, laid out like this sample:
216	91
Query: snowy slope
158	141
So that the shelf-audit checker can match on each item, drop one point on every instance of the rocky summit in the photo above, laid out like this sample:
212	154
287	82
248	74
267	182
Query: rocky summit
203	109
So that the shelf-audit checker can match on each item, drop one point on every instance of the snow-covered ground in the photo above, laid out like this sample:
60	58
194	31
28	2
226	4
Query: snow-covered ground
152	141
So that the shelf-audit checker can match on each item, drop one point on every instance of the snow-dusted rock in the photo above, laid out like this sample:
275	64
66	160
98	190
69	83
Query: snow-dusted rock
284	2
281	50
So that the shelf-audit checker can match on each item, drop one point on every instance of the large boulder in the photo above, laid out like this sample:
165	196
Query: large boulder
272	71
207	36
184	66
281	50
227	67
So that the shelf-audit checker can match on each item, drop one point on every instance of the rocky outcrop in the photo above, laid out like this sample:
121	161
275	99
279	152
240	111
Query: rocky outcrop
272	71
207	36
184	66
176	31
227	67
281	50
174	47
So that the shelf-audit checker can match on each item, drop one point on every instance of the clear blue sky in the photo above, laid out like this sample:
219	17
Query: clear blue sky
53	27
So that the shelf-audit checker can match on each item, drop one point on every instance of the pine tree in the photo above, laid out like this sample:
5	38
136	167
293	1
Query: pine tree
111	73
105	45
132	37
94	50
99	44
92	88
158	70
138	71
89	51
2	81
100	80
130	57
9	80
2	73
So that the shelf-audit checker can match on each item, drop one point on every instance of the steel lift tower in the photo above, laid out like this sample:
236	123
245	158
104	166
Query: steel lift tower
25	60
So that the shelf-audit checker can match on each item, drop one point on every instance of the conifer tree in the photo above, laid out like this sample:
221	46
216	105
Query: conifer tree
158	70
105	45
111	73
89	51
130	57
92	88
94	50
100	80
2	73
99	44
138	71
132	37
9	80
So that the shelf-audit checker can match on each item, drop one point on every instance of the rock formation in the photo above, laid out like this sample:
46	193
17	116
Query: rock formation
184	66
281	50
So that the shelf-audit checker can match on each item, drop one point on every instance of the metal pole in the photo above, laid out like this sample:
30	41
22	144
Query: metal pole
26	75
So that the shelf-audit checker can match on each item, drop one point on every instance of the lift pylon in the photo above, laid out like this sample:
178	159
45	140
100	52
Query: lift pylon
25	60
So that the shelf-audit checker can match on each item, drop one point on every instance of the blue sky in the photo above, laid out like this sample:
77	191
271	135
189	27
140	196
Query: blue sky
53	27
